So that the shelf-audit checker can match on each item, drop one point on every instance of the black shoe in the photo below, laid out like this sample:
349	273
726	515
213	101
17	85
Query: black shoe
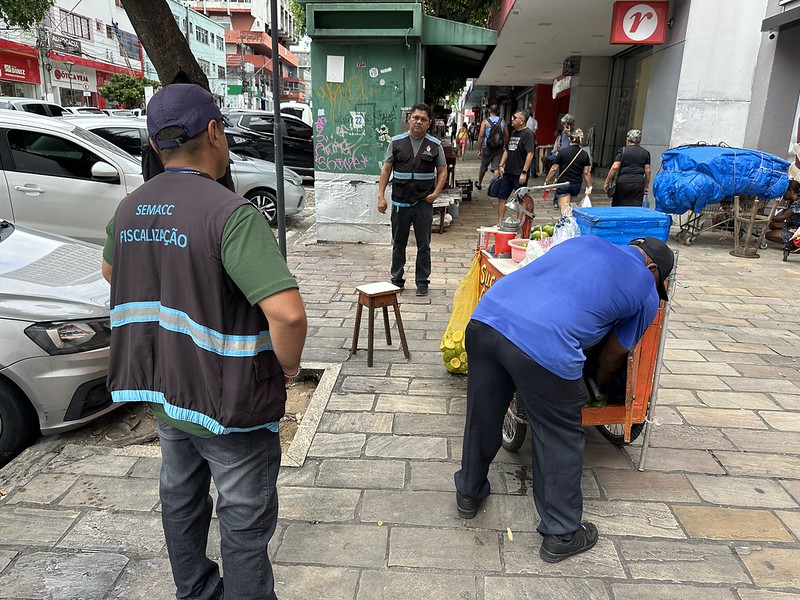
399	284
467	507
422	290
477	186
555	548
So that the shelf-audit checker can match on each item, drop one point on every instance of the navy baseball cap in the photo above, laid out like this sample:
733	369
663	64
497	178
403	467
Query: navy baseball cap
662	256
184	105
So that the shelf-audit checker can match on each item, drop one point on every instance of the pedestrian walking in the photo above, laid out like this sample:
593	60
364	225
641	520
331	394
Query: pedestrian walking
492	137
631	167
416	163
571	165
529	334
207	327
515	162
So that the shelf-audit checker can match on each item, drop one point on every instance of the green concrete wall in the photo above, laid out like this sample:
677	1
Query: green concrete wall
354	120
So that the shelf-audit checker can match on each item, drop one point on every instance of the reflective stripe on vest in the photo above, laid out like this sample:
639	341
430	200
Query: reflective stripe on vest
179	322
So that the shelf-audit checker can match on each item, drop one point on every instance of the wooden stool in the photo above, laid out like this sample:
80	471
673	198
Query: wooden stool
378	295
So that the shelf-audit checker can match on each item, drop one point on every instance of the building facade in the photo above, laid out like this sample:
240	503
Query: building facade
206	39
248	48
72	53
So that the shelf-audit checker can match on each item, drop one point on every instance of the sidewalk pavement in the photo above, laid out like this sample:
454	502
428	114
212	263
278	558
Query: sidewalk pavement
371	513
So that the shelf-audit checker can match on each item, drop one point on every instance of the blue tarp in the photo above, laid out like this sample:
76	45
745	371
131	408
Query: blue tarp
692	177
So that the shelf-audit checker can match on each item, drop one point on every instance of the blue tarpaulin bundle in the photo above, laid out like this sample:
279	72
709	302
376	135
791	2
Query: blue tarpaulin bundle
692	177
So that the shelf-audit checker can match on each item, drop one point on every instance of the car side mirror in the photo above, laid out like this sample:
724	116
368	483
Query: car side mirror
102	171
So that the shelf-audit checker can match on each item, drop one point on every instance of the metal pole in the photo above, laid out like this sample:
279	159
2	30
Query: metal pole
276	107
69	72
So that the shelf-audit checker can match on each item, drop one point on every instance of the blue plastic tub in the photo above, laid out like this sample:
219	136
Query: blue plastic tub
621	224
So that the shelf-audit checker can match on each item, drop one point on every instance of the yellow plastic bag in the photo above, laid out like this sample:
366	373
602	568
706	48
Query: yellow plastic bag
465	299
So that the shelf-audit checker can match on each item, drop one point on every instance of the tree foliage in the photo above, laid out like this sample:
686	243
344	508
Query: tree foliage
471	12
125	89
23	13
299	12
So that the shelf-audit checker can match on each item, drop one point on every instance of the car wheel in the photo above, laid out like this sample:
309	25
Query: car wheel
266	202
18	425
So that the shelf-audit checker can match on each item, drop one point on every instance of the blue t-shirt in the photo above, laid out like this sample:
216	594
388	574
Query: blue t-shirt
568	300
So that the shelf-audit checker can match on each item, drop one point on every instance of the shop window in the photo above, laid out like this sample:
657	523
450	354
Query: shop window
75	25
42	154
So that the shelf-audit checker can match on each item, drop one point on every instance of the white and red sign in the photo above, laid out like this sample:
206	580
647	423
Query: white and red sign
639	23
561	86
15	67
81	77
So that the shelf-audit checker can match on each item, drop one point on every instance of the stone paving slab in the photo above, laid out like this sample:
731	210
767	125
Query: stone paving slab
21	526
389	585
669	591
302	583
772	567
334	545
54	575
543	588
741	491
449	549
717	523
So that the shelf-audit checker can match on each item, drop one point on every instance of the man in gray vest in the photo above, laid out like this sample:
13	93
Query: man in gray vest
415	160
207	327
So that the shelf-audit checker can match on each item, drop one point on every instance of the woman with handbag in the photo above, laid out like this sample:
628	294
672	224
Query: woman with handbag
632	170
573	166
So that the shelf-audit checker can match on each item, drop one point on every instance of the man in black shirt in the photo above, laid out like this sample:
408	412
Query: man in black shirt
515	162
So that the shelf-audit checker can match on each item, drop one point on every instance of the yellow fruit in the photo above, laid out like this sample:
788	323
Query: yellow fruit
458	336
463	357
448	343
455	363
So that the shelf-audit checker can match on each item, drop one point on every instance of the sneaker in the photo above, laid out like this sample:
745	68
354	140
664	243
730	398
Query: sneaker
467	507
422	290
477	186
556	548
555	204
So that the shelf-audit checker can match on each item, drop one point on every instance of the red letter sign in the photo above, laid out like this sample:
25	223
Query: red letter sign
639	23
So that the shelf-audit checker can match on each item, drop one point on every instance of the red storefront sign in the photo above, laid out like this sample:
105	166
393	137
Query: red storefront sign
16	67
639	23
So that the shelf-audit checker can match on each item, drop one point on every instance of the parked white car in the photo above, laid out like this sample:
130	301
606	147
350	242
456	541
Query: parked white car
83	110
32	105
54	336
301	110
60	178
253	178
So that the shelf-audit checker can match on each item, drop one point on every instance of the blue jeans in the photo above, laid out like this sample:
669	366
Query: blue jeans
244	467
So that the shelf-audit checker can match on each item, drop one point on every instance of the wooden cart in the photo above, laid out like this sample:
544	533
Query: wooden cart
620	424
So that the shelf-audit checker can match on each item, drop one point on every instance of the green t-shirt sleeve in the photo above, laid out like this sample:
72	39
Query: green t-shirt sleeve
251	257
108	249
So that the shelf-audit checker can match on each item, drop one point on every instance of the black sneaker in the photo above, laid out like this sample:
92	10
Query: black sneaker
467	507
555	548
422	290
477	186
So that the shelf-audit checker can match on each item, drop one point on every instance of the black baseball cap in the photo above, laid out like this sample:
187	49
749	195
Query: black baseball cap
662	256
184	105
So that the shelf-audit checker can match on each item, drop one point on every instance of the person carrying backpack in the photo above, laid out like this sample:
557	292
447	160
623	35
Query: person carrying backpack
493	137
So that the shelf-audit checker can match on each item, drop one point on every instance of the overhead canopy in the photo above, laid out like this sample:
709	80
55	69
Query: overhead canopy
782	20
455	49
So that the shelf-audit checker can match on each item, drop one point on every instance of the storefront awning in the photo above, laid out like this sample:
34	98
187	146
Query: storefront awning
780	21
92	64
455	49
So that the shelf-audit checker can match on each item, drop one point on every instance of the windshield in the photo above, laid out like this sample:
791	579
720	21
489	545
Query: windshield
132	162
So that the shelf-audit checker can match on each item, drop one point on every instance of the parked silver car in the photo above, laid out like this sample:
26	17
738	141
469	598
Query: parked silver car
54	335
253	178
60	178
32	105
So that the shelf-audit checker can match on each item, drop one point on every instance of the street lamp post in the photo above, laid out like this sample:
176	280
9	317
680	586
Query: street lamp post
70	64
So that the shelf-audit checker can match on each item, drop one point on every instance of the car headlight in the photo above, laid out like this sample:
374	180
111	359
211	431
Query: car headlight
69	337
292	177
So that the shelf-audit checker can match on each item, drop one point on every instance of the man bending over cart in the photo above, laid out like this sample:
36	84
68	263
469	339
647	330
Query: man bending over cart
528	333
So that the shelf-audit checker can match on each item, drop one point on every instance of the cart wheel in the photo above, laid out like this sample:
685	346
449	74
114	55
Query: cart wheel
616	433
763	245
690	240
513	431
681	235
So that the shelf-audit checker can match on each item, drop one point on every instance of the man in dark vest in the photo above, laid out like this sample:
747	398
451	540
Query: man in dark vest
207	327
415	161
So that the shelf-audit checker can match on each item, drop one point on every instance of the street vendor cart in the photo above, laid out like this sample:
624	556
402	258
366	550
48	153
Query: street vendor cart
619	423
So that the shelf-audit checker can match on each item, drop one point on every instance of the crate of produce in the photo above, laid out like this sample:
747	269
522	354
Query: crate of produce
619	225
